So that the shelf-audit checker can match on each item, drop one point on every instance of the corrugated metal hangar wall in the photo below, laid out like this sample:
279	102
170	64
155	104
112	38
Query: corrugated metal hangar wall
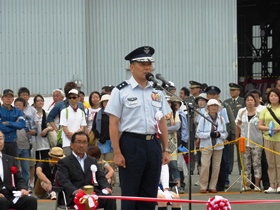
44	44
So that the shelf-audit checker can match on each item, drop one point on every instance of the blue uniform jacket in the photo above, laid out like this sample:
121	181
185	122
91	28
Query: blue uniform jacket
58	107
14	120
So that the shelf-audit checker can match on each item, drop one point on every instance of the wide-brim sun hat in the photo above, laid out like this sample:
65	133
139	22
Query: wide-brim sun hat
212	102
56	152
105	97
175	99
201	96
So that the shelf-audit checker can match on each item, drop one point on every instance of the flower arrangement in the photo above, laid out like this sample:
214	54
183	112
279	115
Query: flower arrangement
13	172
81	198
218	203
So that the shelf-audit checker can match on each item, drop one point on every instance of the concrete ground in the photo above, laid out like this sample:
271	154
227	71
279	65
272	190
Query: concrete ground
232	195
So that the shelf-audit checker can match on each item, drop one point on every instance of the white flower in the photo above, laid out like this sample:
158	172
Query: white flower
93	168
158	115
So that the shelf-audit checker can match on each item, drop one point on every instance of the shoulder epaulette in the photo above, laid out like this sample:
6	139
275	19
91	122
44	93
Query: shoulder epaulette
122	85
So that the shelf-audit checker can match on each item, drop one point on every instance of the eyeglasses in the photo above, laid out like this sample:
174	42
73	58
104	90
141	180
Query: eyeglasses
72	97
81	142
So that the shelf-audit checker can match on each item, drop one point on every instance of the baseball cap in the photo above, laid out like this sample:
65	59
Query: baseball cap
8	92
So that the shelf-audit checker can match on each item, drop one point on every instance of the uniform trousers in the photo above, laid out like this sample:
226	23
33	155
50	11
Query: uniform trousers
222	176
210	157
192	140
273	161
226	155
231	156
140	178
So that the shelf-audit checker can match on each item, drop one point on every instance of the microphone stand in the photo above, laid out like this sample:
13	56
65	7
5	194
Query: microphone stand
191	111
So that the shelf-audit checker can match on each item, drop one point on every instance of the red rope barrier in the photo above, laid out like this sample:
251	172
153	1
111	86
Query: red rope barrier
131	198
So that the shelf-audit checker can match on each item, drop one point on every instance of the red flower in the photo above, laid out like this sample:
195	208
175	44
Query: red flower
14	170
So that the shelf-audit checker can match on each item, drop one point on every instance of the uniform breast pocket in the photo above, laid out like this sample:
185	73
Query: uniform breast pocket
156	104
133	107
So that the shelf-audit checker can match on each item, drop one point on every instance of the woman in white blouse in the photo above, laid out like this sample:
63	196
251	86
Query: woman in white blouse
247	126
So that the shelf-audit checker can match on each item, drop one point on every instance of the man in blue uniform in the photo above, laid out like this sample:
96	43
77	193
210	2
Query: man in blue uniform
136	111
235	103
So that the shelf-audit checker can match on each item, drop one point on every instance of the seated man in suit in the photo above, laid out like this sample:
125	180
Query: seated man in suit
74	172
6	184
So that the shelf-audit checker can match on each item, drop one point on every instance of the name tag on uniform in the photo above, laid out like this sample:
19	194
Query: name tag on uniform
132	100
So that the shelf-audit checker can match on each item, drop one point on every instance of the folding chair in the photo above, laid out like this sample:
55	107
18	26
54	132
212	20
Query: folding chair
173	184
60	197
61	201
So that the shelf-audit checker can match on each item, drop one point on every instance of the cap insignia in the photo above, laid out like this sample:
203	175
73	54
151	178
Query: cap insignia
146	50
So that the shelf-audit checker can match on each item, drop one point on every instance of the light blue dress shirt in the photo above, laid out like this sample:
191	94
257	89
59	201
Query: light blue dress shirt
136	107
81	160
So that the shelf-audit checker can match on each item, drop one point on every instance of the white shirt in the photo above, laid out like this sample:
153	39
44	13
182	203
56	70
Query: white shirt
74	122
1	167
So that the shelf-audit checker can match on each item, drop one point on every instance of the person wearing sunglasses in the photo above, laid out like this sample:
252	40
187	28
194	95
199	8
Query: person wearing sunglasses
72	119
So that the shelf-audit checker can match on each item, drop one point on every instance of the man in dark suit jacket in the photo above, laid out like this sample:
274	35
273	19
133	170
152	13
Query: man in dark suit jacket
74	172
6	187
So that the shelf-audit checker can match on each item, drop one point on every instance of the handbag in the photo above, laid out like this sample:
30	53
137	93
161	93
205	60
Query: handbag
52	137
92	139
273	115
59	136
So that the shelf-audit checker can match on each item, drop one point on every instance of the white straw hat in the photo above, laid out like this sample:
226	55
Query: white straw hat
105	97
212	102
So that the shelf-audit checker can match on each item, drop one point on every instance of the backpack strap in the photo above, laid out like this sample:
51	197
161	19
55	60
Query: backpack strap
66	113
273	115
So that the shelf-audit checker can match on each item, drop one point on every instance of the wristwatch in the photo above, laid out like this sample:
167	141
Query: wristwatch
166	150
